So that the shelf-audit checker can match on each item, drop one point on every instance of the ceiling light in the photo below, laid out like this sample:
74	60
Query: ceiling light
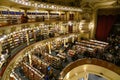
36	4
52	6
41	5
27	2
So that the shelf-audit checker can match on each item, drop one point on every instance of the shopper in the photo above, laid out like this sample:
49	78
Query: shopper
46	77
24	18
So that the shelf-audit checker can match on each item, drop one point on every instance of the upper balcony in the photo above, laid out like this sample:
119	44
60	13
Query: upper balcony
12	10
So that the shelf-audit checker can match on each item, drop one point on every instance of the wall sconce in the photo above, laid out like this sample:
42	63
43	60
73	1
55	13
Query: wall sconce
70	23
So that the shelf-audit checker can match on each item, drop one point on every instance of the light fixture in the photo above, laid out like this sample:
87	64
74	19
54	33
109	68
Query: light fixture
36	5
70	23
44	5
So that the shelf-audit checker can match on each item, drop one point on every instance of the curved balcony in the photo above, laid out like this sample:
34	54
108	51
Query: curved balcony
6	29
76	69
112	72
20	54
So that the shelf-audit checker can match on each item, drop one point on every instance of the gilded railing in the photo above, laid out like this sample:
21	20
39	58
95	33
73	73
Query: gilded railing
90	61
21	54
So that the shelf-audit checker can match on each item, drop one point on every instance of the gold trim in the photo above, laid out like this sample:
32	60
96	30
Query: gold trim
109	67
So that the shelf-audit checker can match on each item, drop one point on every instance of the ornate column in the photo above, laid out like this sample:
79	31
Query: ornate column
48	15
64	42
0	48
76	16
28	42
87	12
94	24
34	33
49	47
87	17
30	58
73	39
67	15
85	75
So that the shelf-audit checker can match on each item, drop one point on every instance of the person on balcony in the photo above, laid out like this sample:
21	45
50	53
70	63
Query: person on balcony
24	18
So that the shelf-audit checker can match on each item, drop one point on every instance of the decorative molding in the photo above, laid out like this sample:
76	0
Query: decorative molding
112	11
13	29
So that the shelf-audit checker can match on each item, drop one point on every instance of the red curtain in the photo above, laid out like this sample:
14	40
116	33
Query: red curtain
104	25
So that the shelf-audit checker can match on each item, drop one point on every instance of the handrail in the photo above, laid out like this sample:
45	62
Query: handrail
28	23
91	61
17	27
72	65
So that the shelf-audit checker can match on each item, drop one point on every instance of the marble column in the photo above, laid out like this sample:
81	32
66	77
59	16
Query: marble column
30	58
48	15
73	39
28	42
49	47
64	42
